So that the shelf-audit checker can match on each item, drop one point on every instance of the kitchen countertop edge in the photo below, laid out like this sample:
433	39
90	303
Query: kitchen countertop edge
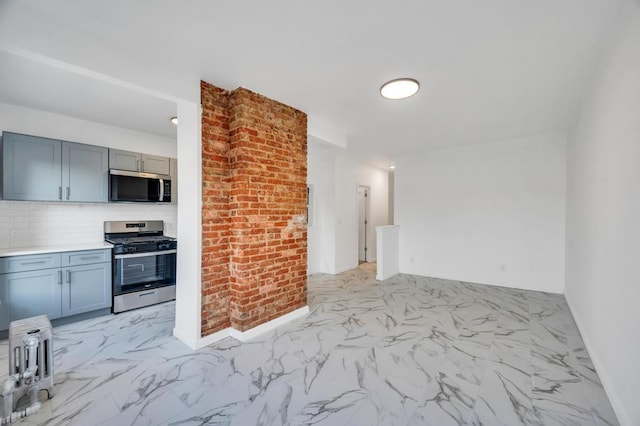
24	251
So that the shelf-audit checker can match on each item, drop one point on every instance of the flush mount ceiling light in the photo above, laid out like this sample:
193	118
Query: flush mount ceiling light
392	167
400	88
174	121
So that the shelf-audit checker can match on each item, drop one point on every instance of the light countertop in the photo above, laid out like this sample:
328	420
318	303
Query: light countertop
20	251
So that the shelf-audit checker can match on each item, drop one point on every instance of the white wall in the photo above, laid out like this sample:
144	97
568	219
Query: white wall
346	213
321	232
24	224
333	234
44	224
493	213
603	221
40	123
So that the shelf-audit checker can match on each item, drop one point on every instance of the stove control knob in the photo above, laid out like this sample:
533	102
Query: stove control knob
163	246
129	249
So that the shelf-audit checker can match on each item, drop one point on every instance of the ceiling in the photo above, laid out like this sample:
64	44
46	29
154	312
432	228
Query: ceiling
30	83
489	70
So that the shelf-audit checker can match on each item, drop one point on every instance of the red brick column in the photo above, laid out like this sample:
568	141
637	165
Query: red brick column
268	161
254	238
215	209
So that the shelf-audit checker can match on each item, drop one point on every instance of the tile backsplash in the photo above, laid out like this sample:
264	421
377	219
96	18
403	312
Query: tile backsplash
31	224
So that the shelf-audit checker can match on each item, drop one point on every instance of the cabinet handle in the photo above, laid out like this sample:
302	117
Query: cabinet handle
59	193
89	257
68	281
68	192
35	262
138	165
59	277
142	167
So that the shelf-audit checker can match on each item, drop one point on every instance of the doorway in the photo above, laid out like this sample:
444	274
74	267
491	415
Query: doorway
364	220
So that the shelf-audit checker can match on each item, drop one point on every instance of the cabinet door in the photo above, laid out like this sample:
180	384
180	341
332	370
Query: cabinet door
155	164
34	293
85	171
124	160
86	288
173	172
31	168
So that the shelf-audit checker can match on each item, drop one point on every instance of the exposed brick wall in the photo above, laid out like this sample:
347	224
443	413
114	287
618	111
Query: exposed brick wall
215	209
268	160
254	242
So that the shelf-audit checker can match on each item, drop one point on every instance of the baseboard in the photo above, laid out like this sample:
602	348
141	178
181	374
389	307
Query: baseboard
268	326
201	342
608	387
242	335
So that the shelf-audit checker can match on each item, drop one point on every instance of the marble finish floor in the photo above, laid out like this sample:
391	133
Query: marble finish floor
406	351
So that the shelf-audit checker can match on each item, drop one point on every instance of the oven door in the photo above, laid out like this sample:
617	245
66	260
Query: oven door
141	271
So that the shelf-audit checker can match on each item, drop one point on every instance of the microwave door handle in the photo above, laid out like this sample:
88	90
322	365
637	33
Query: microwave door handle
161	190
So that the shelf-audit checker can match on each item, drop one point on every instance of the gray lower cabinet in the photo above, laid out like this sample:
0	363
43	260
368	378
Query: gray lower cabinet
87	288
34	293
54	284
42	169
4	305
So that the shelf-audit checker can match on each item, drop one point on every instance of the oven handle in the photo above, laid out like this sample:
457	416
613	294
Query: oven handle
145	254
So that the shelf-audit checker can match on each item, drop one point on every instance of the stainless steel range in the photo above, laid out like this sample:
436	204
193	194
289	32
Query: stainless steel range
144	263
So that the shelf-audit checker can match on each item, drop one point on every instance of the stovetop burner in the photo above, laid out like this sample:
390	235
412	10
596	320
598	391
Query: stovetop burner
134	240
138	236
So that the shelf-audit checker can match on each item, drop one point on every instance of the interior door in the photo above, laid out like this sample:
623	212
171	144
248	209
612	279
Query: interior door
363	223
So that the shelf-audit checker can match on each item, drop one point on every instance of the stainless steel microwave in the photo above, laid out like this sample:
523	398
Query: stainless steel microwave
139	187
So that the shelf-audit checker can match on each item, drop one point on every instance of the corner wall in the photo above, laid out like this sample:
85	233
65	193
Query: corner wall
254	239
333	235
492	213
603	220
215	209
321	232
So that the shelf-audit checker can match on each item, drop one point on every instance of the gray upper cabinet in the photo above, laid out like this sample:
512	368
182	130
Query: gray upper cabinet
155	164
137	162
124	160
85	171
42	169
31	167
